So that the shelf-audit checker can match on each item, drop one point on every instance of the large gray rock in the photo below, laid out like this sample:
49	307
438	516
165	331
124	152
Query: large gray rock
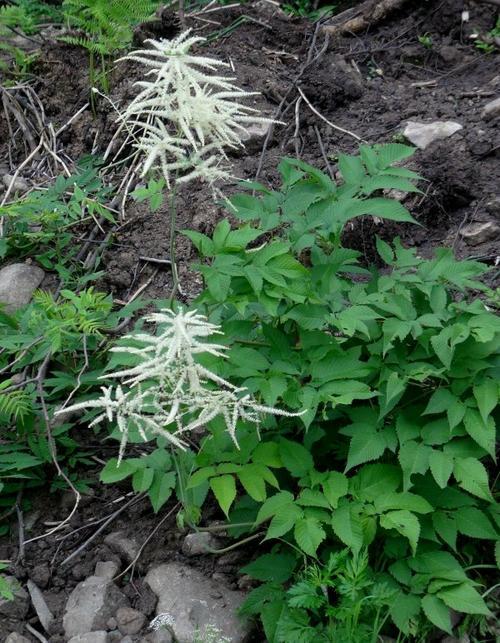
491	110
17	283
90	605
18	607
476	233
423	134
193	603
100	636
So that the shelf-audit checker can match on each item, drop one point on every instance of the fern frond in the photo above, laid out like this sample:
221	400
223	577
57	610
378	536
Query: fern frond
86	43
108	22
14	405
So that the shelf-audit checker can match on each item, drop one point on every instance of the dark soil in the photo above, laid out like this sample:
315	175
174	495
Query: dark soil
370	85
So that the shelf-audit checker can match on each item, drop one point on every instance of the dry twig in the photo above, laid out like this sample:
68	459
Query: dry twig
323	118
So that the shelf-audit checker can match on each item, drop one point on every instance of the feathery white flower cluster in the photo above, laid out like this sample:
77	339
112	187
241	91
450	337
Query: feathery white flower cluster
164	620
169	387
186	115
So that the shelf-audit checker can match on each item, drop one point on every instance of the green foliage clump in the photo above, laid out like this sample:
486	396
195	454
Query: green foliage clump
27	15
397	371
376	499
489	43
42	225
340	600
65	338
57	345
22	16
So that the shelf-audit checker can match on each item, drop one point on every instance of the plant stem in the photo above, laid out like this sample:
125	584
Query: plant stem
173	222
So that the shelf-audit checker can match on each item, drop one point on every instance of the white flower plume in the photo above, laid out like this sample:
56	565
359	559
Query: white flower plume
168	392
185	115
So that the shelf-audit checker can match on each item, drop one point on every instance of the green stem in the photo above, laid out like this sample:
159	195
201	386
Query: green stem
92	83
224	527
173	221
105	83
234	545
488	591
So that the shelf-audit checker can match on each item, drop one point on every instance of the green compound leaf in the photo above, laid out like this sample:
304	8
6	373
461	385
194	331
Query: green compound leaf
364	448
161	489
348	527
271	567
114	473
474	523
472	476
224	488
441	465
464	598
437	612
309	534
405	523
295	457
486	395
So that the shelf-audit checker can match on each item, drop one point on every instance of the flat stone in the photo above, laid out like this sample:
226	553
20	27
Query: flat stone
423	134
45	616
491	110
476	233
193	603
90	605
20	185
129	621
99	636
107	569
199	543
17	284
126	547
254	135
18	607
15	637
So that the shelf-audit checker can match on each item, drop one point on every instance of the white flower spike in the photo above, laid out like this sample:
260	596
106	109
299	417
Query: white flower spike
168	387
184	114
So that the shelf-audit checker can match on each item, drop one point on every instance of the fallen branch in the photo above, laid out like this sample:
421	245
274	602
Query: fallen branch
358	19
495	2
